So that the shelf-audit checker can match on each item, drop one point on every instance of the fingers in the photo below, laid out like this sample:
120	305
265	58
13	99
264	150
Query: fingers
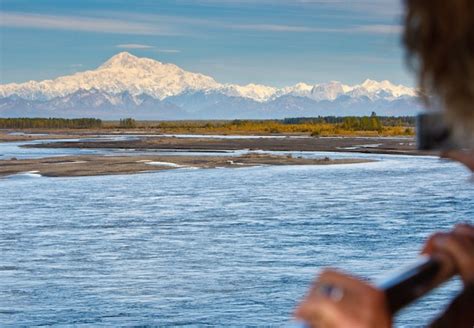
465	229
360	304
322	313
458	245
430	244
353	287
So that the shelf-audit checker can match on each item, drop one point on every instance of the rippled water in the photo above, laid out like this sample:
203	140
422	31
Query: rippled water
226	247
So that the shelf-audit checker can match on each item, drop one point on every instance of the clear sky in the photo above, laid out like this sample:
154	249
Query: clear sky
273	42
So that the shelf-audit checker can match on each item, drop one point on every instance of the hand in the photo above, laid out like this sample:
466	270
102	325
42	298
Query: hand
352	303
464	157
458	246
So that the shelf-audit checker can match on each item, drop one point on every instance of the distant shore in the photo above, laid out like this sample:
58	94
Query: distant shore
155	139
369	145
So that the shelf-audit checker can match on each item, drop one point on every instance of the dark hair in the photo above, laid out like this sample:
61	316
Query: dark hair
439	38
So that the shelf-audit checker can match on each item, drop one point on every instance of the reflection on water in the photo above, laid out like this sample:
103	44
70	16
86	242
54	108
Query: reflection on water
9	150
226	247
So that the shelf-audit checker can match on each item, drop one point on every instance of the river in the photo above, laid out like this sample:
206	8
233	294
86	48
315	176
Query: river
218	247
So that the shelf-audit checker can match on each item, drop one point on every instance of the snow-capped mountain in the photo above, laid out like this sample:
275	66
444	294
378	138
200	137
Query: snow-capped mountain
121	73
143	87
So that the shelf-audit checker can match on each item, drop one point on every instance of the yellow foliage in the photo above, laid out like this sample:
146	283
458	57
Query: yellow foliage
246	127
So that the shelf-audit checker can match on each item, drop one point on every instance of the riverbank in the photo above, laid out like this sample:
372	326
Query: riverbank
372	126
372	145
76	166
143	151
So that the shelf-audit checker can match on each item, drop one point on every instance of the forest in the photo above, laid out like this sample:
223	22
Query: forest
49	123
372	125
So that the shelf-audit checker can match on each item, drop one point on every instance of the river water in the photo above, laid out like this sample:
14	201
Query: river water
220	247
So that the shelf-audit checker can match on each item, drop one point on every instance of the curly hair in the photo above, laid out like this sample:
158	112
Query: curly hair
439	39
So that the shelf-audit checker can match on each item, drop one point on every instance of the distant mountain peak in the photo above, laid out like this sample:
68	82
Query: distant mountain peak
124	55
138	77
127	60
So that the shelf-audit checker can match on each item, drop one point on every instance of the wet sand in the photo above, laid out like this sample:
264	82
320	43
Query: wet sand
76	166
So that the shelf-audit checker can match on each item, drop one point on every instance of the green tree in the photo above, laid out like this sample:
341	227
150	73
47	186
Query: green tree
127	123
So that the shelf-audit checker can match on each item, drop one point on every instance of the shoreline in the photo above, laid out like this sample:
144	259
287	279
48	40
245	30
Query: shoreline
81	166
91	165
363	145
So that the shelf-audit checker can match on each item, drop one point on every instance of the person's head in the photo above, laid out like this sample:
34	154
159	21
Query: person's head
439	38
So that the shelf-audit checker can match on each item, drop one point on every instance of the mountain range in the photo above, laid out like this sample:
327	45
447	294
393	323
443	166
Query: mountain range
126	85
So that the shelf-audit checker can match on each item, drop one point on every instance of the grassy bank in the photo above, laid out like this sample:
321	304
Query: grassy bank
320	126
276	127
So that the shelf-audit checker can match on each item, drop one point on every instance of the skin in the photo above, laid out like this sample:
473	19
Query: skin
458	245
464	157
363	306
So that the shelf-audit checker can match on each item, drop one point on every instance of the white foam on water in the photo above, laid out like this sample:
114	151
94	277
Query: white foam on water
168	164
369	146
25	175
348	148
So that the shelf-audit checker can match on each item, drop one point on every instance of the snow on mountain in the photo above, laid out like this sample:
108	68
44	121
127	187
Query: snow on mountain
129	82
257	92
123	72
319	92
373	88
298	90
327	91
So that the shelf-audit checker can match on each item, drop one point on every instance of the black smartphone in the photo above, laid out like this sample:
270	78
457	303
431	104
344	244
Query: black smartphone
434	133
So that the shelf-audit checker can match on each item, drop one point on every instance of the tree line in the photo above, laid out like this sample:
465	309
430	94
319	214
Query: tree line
49	123
127	123
407	121
317	126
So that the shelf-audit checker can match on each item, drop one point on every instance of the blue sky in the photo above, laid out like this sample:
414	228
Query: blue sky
273	42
